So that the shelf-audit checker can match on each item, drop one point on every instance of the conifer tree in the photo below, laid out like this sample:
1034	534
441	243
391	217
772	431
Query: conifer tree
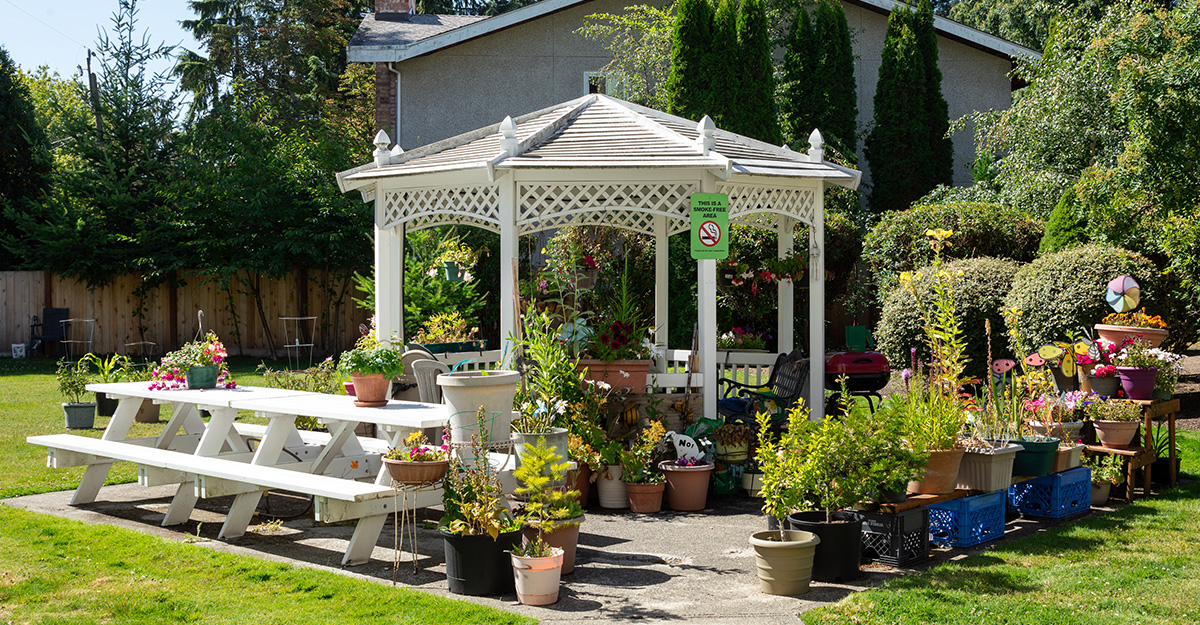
839	116
689	83
898	146
941	165
24	155
726	74
758	117
800	92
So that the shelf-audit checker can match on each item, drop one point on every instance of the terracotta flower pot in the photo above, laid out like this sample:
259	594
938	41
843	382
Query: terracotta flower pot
645	498
1116	434
412	473
1118	334
621	374
1068	458
687	487
565	536
580	479
371	390
941	473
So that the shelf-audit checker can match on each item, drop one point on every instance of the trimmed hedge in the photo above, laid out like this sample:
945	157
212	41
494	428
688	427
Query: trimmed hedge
898	242
979	293
1063	292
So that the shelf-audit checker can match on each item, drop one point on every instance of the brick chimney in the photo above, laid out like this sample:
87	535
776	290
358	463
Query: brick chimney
392	8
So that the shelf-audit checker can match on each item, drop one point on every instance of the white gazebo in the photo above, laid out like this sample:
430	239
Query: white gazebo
597	160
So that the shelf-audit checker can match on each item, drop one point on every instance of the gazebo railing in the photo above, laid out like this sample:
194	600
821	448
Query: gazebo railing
747	367
471	361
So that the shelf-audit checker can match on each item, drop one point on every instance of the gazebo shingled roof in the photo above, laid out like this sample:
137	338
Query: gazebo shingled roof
597	160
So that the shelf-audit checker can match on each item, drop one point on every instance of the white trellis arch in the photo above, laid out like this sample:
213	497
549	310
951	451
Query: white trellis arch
597	160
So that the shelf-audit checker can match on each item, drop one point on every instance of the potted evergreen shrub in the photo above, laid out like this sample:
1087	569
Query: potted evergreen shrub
73	378
477	530
551	514
643	484
108	371
371	365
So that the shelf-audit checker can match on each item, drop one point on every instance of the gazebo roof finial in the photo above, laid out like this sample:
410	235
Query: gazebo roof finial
381	154
816	150
706	140
508	141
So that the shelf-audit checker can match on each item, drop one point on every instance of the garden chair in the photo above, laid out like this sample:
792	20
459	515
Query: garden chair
426	372
787	383
50	328
858	339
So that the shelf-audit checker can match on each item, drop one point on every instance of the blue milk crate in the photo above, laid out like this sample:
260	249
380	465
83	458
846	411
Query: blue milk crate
968	521
896	539
1055	496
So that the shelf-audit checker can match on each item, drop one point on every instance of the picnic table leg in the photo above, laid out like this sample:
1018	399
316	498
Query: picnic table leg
181	505
89	486
362	543
267	454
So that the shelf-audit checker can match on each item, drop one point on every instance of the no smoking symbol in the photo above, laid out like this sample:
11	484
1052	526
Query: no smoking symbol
710	233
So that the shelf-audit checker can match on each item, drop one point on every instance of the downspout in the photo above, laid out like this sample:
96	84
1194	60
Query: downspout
392	68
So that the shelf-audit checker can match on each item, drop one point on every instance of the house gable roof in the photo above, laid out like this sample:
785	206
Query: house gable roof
383	41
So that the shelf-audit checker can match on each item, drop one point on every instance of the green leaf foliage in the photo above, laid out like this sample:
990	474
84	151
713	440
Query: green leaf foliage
1065	228
24	155
799	89
898	147
1059	294
689	93
979	287
757	117
940	168
727	73
838	104
898	243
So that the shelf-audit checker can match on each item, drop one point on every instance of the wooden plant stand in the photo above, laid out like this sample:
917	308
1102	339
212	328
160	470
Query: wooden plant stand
1143	457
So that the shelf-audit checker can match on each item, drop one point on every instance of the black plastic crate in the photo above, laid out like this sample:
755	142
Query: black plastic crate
896	539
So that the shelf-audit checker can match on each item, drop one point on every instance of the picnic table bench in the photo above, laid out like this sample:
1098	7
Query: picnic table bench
217	458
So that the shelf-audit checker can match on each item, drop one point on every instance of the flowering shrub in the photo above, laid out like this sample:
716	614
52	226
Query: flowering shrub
417	449
171	372
743	338
1137	318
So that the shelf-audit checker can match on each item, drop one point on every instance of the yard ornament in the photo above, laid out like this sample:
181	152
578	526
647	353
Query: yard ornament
685	446
1124	294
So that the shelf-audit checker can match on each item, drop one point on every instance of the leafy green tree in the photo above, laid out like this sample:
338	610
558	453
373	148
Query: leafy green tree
758	117
689	84
898	147
835	75
640	41
24	155
799	89
727	83
55	100
941	163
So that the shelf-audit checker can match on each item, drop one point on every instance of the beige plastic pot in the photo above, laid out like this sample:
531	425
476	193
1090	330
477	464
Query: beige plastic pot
784	559
537	579
466	391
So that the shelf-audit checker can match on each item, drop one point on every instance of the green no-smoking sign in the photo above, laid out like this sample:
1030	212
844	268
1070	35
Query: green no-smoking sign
710	225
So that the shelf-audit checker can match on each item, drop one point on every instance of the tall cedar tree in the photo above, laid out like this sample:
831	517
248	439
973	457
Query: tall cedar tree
24	157
839	115
726	72
690	81
758	118
898	146
941	165
800	93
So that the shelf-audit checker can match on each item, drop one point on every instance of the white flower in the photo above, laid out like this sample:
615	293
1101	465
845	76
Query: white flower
560	406
623	373
604	386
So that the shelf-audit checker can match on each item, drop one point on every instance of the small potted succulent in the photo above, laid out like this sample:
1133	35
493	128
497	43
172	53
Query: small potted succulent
73	378
197	364
552	515
643	484
417	462
1116	421
371	365
731	442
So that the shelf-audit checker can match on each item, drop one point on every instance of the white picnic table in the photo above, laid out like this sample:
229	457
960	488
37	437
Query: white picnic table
342	472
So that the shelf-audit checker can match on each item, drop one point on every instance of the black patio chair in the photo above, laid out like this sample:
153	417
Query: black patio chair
50	328
740	402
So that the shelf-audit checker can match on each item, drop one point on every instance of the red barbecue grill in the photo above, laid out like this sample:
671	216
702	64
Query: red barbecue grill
866	373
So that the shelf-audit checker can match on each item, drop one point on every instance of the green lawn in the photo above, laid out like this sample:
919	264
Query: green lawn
1140	564
54	570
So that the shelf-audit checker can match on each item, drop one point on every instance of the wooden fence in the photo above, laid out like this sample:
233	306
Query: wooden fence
169	312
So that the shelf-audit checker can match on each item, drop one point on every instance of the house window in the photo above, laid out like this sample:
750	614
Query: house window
596	83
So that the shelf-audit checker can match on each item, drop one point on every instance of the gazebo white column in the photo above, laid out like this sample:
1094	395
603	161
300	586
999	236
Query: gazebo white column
785	333
662	253
816	311
509	241
706	292
388	276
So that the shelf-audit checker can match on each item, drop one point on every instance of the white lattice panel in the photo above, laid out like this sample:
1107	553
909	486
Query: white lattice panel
477	205
632	206
757	205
